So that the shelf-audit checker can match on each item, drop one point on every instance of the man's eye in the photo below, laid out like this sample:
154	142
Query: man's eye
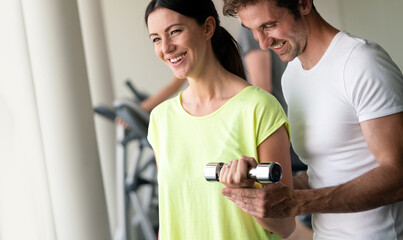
269	27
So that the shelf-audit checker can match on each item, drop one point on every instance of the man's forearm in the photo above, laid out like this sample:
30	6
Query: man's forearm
380	186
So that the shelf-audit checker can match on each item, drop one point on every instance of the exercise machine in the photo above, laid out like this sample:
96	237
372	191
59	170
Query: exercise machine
137	190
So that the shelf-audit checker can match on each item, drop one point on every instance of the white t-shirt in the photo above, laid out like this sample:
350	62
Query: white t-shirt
354	81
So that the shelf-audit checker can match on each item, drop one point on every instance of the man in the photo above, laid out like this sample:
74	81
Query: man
345	104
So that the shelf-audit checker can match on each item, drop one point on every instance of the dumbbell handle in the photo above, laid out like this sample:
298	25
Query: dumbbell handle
264	172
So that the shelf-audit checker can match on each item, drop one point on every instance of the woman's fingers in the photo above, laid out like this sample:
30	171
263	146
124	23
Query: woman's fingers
235	173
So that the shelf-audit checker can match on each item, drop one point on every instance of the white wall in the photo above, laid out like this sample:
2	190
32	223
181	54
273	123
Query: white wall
130	50
376	20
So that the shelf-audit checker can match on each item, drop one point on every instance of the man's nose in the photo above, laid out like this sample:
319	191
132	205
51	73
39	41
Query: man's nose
264	40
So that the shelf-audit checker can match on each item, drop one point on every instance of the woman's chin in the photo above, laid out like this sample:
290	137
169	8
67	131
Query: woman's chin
180	75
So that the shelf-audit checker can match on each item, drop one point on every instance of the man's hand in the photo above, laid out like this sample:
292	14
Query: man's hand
271	201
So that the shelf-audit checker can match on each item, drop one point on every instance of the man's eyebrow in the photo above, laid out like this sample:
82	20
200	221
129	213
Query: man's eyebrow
261	25
245	26
167	28
267	23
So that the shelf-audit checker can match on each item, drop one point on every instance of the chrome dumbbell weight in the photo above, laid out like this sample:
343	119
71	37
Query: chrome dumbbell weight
264	172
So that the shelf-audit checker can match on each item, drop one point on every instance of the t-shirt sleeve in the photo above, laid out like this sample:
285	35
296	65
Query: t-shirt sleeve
269	117
374	84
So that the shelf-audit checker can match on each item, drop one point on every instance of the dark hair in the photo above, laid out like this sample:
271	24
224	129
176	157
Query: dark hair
225	47
231	7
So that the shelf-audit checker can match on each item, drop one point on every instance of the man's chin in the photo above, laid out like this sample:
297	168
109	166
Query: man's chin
286	58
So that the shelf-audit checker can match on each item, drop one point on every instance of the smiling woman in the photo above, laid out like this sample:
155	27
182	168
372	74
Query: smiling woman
181	43
224	46
219	116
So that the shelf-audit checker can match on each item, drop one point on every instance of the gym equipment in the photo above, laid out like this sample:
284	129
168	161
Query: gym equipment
264	172
136	196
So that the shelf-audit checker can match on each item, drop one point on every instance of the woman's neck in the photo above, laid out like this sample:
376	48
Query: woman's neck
209	84
210	90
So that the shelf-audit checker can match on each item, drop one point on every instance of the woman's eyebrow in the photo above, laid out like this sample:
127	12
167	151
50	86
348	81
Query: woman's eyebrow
167	28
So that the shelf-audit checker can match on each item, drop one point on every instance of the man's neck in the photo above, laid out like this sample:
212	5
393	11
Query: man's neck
320	36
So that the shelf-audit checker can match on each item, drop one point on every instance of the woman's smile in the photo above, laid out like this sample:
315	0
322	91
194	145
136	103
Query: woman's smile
177	59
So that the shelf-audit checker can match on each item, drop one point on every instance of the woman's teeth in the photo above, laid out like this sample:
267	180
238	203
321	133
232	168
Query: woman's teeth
174	60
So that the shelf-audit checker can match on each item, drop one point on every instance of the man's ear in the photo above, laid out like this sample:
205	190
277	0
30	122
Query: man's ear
305	7
209	27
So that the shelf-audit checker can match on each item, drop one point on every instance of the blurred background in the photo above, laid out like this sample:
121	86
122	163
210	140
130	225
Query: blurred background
61	164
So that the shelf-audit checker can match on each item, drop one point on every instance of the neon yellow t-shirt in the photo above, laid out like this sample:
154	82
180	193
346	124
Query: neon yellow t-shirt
189	206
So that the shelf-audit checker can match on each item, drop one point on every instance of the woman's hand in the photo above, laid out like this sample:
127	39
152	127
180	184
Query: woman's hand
235	173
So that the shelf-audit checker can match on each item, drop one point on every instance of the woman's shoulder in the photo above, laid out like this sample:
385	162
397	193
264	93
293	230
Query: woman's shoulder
257	94
166	105
257	99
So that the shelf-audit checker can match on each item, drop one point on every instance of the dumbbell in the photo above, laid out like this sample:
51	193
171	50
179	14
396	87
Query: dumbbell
264	172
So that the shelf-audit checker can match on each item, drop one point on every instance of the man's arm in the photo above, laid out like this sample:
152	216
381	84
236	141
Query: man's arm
171	88
259	67
378	187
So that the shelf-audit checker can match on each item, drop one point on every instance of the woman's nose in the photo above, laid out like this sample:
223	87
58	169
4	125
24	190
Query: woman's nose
167	46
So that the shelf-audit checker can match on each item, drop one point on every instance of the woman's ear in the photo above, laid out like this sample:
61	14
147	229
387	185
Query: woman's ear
209	27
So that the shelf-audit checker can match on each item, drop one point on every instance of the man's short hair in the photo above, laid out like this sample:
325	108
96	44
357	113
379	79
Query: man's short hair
231	6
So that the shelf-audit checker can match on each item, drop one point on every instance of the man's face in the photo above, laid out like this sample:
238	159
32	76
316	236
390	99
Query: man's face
275	28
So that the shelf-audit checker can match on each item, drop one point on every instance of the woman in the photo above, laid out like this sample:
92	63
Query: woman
218	117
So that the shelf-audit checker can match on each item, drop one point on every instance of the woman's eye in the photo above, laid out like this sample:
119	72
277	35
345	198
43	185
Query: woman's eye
155	40
175	31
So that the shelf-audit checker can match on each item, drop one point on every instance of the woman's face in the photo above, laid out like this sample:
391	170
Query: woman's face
179	41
